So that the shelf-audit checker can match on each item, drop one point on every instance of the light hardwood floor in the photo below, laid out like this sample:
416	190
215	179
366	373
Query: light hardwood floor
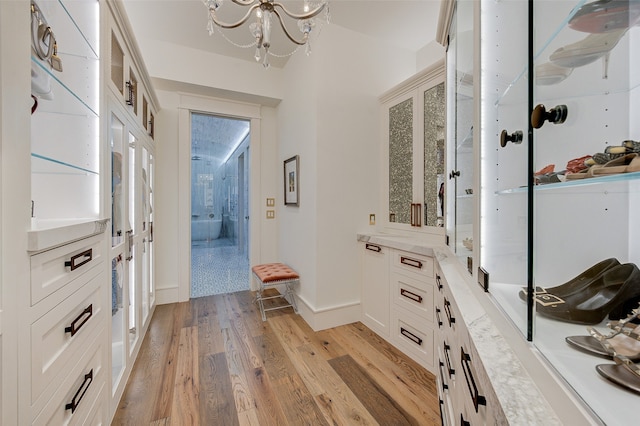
212	361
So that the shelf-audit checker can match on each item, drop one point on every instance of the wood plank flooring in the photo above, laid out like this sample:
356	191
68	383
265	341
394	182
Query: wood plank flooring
212	361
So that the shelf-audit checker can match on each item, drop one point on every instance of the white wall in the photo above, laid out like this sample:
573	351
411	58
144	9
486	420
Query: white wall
166	198
429	54
329	116
172	62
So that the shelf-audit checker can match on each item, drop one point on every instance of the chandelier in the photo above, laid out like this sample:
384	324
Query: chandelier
260	29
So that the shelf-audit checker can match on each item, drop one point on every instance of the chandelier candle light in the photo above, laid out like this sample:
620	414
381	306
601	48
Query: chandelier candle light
261	28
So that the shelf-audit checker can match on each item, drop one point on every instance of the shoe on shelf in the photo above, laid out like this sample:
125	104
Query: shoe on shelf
626	164
624	373
548	74
624	339
606	15
587	50
576	284
614	293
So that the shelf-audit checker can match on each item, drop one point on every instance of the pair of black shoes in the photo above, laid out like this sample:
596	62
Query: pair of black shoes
606	289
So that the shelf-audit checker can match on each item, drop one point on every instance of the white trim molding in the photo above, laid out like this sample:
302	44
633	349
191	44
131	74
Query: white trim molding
329	317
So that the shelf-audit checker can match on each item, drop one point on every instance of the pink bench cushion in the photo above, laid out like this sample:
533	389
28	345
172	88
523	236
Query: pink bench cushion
274	272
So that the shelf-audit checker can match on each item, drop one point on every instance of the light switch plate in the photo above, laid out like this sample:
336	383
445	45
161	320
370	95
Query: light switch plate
271	202
271	214
372	219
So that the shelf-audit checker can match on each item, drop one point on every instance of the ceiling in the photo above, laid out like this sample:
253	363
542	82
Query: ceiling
406	24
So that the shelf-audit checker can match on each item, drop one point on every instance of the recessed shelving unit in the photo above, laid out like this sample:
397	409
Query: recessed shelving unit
65	126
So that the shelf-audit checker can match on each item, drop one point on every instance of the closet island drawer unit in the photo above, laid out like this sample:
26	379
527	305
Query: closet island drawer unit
400	307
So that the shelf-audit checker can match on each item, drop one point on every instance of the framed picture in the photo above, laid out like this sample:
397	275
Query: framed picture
292	181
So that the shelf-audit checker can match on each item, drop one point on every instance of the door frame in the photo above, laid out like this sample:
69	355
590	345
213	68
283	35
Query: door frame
223	108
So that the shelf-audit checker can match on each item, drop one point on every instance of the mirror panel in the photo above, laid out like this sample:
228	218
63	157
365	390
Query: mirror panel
434	128
401	161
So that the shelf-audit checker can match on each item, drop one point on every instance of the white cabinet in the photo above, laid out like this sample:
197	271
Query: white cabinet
66	348
397	299
375	288
412	309
412	117
130	106
463	386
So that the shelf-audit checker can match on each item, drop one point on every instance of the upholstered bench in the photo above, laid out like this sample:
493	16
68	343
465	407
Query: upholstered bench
272	274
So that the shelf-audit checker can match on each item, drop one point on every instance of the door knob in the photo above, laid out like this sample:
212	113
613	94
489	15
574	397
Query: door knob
515	137
454	173
555	115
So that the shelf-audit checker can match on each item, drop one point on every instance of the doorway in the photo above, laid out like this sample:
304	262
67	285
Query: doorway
219	204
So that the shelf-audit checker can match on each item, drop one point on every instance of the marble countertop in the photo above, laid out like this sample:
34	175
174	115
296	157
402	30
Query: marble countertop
520	398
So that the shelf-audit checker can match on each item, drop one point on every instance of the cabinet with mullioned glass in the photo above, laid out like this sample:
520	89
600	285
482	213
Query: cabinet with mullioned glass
413	154
130	105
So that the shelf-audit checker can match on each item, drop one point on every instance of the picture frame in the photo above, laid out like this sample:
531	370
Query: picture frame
292	181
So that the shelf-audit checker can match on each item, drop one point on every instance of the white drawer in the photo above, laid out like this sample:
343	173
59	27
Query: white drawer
414	295
98	413
53	269
412	335
421	266
58	337
80	389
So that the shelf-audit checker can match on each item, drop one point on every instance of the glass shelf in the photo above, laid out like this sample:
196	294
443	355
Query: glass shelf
523	73
589	76
65	127
621	177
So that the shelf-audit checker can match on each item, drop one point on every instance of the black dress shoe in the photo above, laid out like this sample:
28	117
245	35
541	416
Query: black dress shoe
577	284
615	293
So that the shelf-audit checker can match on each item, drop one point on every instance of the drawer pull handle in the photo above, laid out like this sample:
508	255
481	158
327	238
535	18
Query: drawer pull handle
444	385
447	310
411	262
410	295
463	422
79	259
440	286
471	383
411	336
447	358
373	247
82	390
84	316
129	248
438	317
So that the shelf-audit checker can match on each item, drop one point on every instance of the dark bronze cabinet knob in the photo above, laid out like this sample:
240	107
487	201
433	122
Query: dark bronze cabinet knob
555	115
515	137
454	173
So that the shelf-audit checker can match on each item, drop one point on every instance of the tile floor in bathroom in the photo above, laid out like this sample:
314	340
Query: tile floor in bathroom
218	267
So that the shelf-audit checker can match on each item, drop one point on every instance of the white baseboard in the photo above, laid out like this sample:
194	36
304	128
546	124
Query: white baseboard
334	316
167	295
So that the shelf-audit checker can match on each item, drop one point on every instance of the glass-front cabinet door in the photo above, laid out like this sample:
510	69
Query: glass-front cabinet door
560	178
459	185
132	287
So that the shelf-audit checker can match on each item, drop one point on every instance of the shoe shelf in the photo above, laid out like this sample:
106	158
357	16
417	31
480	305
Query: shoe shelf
510	88
600	180
65	127
575	368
